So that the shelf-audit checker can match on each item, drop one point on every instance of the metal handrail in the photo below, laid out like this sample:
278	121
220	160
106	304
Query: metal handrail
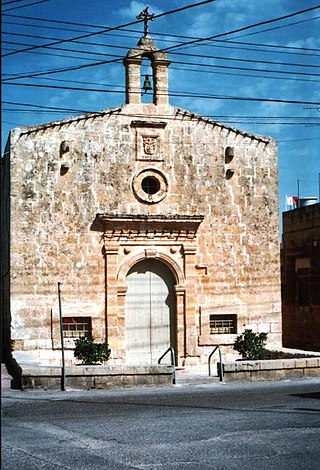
173	362
221	363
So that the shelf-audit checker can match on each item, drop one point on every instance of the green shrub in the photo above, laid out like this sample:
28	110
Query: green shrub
89	352
251	345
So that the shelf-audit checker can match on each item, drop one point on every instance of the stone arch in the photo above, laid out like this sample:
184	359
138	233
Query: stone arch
159	64
150	313
150	253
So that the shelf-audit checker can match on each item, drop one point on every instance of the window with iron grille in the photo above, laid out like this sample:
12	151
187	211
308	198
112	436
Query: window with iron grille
223	324
75	327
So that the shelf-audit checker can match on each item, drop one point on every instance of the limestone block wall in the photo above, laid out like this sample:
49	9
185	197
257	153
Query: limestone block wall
64	173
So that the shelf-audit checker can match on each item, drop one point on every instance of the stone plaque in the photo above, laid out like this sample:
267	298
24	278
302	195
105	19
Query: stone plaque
149	140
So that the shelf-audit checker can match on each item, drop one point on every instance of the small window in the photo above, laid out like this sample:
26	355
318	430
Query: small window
223	324
75	327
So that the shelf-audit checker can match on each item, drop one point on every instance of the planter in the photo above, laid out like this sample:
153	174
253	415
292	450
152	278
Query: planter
80	377
272	369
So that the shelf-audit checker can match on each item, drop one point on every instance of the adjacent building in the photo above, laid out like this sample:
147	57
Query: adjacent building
301	278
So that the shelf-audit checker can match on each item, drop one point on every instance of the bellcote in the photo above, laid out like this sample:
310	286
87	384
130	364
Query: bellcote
159	64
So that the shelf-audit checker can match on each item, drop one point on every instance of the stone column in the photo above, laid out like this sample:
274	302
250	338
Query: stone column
133	86
111	320
160	74
189	252
181	327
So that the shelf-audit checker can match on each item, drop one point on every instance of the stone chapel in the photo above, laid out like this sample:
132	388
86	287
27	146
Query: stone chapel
160	224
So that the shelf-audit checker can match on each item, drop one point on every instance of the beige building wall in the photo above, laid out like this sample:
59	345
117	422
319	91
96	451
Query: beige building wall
81	217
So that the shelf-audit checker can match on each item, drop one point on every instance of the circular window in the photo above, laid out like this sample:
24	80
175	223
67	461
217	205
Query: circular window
150	185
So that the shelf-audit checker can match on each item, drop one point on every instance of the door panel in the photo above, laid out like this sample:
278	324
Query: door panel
149	311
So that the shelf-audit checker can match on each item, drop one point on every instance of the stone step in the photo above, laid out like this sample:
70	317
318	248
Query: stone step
195	379
190	377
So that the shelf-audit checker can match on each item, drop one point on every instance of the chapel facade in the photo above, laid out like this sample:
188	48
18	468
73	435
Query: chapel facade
161	225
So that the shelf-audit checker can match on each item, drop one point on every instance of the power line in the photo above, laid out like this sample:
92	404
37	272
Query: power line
175	94
222	116
45	107
28	5
224	44
118	27
154	33
68	50
194	41
216	116
278	27
68	69
12	1
298	140
269	77
228	119
67	56
297	75
118	58
173	53
293	50
259	75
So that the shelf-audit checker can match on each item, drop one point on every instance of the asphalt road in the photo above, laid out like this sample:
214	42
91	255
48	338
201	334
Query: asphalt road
265	426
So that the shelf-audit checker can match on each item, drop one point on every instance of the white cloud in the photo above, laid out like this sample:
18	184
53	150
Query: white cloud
135	8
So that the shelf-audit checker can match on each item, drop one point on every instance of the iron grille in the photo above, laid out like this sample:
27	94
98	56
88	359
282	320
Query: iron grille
223	324
76	327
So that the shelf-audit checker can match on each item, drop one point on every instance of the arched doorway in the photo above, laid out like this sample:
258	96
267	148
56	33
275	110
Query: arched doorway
150	312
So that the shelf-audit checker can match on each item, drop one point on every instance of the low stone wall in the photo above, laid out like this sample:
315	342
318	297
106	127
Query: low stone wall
275	369
90	377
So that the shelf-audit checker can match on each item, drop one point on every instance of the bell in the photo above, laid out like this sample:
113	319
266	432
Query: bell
147	84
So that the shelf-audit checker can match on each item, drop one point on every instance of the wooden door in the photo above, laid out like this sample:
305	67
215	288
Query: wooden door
150	312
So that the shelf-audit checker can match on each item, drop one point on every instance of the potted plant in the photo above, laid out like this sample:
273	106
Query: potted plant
89	352
251	345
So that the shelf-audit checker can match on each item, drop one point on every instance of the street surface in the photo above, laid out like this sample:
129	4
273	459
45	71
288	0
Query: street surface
265	426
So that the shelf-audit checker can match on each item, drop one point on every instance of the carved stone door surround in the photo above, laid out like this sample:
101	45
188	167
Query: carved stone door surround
129	239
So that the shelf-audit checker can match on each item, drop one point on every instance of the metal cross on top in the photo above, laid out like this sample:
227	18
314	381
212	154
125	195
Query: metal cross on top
145	16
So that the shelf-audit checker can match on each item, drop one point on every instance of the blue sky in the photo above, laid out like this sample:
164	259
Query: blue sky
274	63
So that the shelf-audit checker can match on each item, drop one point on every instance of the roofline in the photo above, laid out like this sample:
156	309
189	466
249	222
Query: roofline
78	117
109	111
198	117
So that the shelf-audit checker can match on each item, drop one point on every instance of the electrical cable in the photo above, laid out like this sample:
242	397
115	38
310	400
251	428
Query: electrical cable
12	1
309	52
277	27
28	5
95	33
154	33
259	75
237	59
103	62
165	49
216	116
73	110
176	94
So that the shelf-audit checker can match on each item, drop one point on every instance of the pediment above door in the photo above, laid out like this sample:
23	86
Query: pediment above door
176	227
